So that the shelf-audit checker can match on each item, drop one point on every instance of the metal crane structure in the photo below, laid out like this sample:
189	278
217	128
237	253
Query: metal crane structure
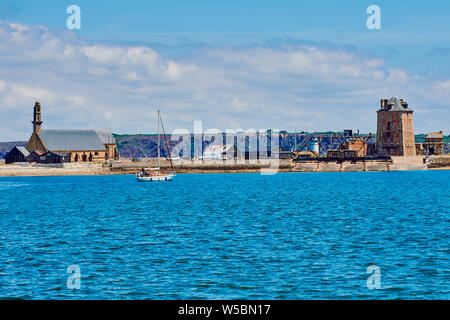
338	143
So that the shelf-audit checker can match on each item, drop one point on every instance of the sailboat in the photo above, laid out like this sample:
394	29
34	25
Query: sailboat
154	174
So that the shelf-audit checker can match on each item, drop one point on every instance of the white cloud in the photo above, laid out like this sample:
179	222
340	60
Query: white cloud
398	76
444	85
85	84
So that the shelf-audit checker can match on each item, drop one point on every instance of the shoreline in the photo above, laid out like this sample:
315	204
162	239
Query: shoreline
41	174
238	166
16	171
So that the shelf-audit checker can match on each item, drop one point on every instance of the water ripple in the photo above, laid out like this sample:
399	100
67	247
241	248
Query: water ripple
235	236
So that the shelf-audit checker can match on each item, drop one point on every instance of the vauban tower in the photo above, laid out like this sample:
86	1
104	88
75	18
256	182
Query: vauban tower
395	131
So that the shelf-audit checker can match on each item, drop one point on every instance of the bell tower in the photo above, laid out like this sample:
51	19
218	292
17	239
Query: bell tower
37	119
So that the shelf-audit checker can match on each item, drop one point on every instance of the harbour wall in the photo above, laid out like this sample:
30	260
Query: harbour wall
205	166
240	166
439	162
396	164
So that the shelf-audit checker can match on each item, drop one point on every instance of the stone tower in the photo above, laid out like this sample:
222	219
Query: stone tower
35	142
37	119
395	131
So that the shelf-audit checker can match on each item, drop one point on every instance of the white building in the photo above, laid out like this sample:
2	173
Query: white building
221	152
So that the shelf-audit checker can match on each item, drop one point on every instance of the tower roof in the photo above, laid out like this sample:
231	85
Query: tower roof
394	104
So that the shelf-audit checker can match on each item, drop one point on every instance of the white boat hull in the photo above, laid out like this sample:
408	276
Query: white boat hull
167	177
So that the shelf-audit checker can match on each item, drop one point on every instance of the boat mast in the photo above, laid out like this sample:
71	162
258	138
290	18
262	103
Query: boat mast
159	145
167	144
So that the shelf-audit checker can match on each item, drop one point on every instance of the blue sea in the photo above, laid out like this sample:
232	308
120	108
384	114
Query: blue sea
226	236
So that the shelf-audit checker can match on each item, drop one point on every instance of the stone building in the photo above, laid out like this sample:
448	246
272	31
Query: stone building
434	143
78	145
395	130
420	151
357	145
221	152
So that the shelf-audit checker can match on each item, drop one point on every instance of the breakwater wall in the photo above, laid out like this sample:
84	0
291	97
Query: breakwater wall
396	164
205	166
128	167
439	162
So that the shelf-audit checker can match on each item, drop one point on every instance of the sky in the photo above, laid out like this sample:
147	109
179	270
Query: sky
288	65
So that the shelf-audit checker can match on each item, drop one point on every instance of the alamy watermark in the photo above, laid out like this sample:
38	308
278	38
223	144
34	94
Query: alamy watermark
74	20
374	280
374	20
74	280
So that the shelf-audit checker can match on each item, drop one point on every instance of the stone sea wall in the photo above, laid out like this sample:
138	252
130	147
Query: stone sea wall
437	162
397	164
128	167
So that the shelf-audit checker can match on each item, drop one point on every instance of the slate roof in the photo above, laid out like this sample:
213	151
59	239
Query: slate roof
435	135
71	140
24	151
396	104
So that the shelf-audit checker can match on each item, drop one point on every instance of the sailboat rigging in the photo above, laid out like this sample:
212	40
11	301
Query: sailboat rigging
154	174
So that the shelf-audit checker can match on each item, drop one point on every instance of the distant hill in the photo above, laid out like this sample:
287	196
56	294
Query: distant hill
134	146
6	147
420	138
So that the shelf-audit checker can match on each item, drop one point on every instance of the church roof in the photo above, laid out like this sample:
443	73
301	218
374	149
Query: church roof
71	140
